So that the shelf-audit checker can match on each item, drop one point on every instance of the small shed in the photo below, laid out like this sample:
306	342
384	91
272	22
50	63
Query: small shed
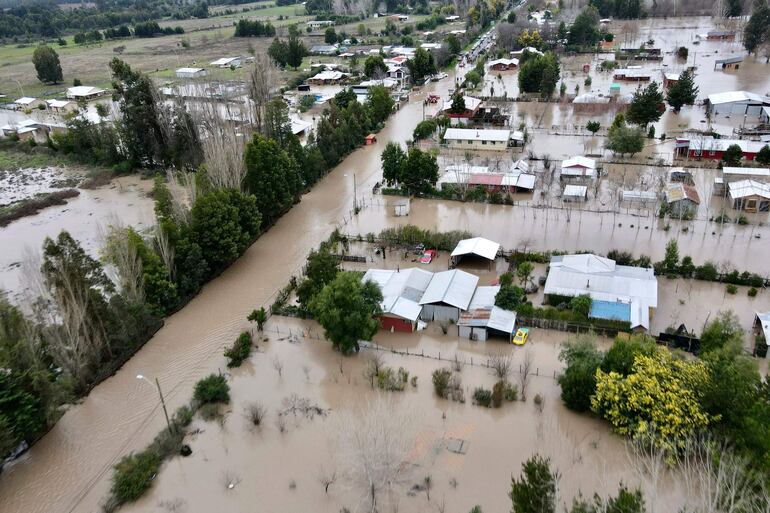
190	72
680	174
574	193
728	63
401	207
371	139
478	247
682	199
614	88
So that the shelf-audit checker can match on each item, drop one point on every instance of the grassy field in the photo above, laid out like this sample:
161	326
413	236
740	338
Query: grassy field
292	13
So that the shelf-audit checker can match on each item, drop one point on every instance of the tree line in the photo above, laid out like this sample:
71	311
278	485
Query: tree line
256	28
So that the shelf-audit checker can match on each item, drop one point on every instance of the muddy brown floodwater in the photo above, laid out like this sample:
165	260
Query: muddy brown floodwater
69	469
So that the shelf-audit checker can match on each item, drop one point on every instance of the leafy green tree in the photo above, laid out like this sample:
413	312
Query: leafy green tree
348	308
272	176
724	331
259	316
524	272
578	381
623	139
683	92
755	34
585	29
593	126
540	74
671	258
47	65
621	355
535	490
419	171
330	36
509	297
645	105
734	8
421	65
345	98
458	104
627	501
581	304
374	66
279	51
732	155
473	78
321	270
223	224
454	44
763	156
424	129
380	104
295	52
392	158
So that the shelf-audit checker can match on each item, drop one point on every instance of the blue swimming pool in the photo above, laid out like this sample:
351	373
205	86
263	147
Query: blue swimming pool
610	310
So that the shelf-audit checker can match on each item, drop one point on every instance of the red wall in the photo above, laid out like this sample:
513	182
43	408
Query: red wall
397	324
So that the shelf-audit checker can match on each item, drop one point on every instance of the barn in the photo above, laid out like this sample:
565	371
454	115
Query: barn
448	294
741	103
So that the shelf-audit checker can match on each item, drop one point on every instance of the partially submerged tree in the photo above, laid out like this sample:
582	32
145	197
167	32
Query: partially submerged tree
683	92
536	490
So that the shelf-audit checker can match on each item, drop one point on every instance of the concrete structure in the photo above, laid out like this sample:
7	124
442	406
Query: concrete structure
84	93
190	72
682	200
741	103
478	247
617	291
473	139
749	195
714	149
503	64
728	63
578	169
401	293
574	193
226	62
483	319
448	293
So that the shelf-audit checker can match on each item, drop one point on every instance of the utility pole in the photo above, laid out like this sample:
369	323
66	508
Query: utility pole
162	400
355	197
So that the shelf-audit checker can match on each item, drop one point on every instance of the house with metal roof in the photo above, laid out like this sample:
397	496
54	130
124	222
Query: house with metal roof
578	169
447	294
749	195
478	139
714	149
84	93
503	64
761	328
478	247
682	200
741	103
190	72
729	62
226	62
483	319
736	174
472	105
574	192
512	180
632	74
25	102
618	292
401	292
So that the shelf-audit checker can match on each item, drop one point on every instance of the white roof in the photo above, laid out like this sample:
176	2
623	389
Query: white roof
299	125
328	75
634	195
590	98
224	61
57	104
482	311
711	144
83	91
25	100
401	290
746	188
575	191
579	162
506	62
522	181
746	171
454	288
764	320
471	103
480	246
529	49
603	280
190	70
737	96
469	134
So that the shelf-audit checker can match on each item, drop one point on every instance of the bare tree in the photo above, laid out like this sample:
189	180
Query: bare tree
373	366
278	366
263	82
427	483
255	413
502	364
373	445
183	192
649	460
118	250
526	370
165	250
327	477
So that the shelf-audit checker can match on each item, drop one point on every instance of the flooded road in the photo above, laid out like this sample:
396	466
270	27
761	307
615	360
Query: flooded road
68	470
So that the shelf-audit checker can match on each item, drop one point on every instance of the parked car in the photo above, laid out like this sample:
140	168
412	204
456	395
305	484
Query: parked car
522	334
428	256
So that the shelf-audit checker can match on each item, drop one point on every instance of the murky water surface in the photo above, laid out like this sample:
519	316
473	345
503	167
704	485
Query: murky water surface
69	469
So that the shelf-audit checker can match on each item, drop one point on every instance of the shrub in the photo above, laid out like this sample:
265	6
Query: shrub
511	392
498	392
133	476
731	289
482	396
752	292
581	304
212	389
210	412
239	351
578	381
441	379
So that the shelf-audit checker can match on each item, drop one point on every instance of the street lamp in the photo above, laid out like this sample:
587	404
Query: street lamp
162	401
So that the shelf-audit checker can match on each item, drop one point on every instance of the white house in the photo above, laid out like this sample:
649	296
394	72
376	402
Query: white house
578	169
477	139
190	72
227	62
84	93
26	102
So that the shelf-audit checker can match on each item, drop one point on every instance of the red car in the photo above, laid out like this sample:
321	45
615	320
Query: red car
428	256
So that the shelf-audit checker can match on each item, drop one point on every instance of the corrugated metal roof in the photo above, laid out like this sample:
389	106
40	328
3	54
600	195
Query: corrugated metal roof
575	191
453	288
746	188
484	297
764	320
710	144
401	290
746	171
736	96
579	161
679	191
470	134
480	246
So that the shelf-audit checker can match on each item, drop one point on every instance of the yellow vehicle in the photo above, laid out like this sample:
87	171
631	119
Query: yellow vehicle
522	334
